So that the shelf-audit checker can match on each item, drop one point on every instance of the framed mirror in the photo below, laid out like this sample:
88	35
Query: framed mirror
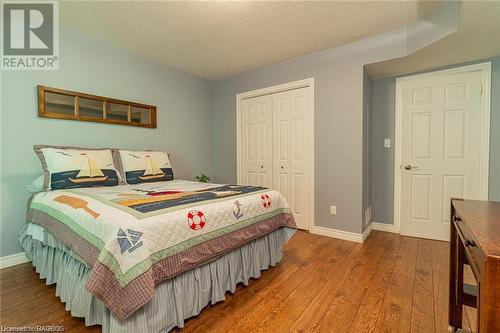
64	104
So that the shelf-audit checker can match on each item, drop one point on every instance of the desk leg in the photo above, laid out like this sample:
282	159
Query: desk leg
478	307
456	279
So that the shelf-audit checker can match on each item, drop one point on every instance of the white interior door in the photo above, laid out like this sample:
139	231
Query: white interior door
441	133
256	141
291	137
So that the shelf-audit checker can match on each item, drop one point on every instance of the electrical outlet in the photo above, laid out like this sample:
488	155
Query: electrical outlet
333	210
387	143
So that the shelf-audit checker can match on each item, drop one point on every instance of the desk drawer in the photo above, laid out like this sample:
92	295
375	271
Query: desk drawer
473	251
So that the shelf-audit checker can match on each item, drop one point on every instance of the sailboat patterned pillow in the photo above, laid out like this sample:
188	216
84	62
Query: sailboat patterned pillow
145	166
70	167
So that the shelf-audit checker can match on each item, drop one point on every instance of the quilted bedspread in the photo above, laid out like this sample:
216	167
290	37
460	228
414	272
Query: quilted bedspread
135	236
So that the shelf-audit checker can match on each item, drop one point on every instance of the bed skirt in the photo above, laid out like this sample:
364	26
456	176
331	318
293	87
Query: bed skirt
176	299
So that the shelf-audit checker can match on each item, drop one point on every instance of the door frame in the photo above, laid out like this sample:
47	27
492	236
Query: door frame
485	68
309	82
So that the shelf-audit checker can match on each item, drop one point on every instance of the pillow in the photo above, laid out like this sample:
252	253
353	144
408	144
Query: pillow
145	166
71	167
36	185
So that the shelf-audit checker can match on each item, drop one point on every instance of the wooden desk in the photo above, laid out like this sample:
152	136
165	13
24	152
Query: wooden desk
475	240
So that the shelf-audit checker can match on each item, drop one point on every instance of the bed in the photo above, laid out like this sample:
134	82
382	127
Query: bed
147	256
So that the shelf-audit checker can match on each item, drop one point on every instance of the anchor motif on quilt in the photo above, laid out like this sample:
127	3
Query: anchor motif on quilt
129	240
237	213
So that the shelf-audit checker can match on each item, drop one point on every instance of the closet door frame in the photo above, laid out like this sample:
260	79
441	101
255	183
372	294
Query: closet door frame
272	90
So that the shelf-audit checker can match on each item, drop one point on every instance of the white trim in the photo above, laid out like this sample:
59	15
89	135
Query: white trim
455	70
367	232
485	68
271	90
13	259
397	155
384	227
276	89
485	133
341	234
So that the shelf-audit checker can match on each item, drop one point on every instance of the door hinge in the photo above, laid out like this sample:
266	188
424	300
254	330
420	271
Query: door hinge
481	89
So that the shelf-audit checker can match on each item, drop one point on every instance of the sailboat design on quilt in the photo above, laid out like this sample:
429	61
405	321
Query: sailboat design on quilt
89	172
152	170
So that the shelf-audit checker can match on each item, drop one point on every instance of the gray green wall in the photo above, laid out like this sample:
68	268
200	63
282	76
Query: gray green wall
87	65
338	121
494	186
367	146
383	111
383	108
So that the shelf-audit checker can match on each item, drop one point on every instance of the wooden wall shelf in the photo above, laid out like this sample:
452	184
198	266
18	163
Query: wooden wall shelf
64	104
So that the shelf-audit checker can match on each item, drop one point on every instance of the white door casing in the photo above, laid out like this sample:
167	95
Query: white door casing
443	140
257	117
297	156
291	155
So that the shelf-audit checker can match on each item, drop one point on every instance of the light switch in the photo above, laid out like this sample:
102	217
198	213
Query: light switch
333	210
387	143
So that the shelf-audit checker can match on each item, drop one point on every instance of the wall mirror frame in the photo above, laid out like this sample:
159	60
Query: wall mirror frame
64	104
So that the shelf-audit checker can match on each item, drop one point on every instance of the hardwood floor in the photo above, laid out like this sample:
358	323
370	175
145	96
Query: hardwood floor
389	284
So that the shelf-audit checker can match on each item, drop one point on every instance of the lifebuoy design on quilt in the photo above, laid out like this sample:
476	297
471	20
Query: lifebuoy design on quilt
196	220
266	201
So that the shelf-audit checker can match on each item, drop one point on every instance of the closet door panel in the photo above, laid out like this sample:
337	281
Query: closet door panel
299	155
257	141
291	157
281	143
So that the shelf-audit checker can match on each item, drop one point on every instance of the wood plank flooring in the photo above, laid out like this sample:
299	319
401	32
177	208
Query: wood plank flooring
389	284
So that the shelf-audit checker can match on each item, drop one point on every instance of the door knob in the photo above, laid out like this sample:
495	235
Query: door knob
282	167
409	167
262	167
469	243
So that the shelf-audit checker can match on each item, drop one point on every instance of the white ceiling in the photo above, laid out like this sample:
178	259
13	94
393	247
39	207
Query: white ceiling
213	39
217	39
478	38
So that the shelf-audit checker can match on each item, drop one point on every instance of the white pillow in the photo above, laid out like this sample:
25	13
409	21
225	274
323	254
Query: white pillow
70	167
36	185
145	166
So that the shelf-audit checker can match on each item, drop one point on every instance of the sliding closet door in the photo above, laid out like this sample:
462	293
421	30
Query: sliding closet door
256	141
291	174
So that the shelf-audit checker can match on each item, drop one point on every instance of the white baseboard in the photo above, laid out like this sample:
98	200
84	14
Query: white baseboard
367	231
384	227
340	234
13	259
